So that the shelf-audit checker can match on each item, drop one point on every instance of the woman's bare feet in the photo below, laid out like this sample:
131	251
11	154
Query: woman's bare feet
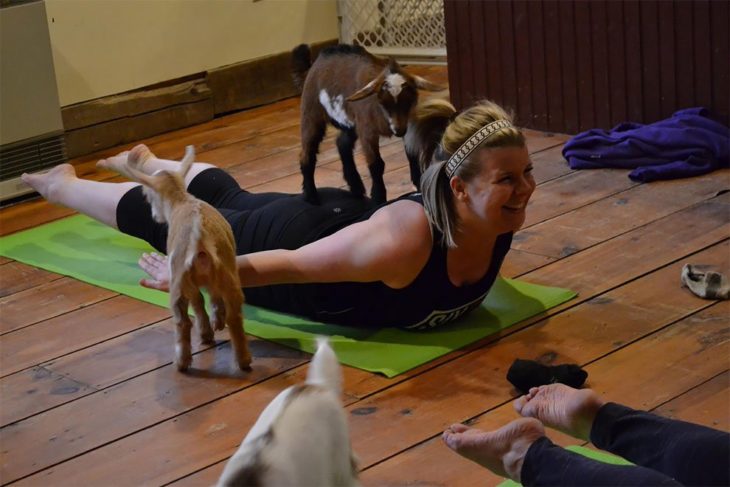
502	451
563	408
139	155
50	183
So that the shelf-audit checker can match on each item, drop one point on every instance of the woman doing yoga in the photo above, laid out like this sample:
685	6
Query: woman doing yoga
417	262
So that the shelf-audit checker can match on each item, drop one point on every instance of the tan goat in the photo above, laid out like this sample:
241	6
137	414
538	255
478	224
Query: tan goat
201	254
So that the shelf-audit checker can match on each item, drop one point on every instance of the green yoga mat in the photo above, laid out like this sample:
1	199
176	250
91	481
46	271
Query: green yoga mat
91	252
586	452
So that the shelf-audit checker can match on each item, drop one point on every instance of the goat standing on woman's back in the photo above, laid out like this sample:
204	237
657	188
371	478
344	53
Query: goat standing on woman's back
365	97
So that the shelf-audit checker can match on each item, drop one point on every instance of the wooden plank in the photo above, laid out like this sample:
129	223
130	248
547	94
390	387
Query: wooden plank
617	61
553	61
122	131
508	68
658	358
578	188
650	61
452	41
702	53
476	49
584	69
707	404
46	301
540	141
523	68
668	97
34	390
549	164
492	48
569	67
537	62
73	331
683	23
720	19
594	223
255	82
135	102
601	73
16	277
632	33
91	421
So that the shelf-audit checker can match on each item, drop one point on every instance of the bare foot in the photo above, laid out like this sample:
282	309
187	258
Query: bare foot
563	408
49	183
502	451
137	157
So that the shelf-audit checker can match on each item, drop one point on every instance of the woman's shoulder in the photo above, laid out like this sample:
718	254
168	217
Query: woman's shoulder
405	213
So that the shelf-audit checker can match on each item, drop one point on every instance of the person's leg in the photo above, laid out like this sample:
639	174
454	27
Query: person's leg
521	452
96	199
692	454
548	464
149	163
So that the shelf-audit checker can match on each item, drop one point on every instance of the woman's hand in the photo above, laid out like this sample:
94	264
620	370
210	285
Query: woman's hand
156	266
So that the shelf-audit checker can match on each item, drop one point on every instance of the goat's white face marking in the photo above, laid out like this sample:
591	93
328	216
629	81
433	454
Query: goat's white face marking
335	108
395	83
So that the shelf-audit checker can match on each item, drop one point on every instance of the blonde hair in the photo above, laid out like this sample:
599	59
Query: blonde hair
438	199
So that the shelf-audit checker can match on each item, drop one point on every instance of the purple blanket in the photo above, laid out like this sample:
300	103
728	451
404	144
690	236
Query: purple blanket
689	143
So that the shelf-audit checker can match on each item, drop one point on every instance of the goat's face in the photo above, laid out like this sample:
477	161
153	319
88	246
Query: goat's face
397	96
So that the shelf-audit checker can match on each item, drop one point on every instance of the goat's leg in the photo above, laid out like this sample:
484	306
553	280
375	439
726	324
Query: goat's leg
183	326
415	166
234	320
219	313
312	135
376	165
202	322
346	146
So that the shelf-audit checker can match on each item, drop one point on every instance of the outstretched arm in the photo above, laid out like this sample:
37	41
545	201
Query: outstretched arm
392	246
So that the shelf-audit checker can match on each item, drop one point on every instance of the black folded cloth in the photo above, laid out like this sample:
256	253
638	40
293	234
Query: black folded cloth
526	374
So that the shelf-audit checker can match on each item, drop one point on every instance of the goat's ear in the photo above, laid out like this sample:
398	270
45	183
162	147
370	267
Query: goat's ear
187	161
140	177
424	84
393	65
368	89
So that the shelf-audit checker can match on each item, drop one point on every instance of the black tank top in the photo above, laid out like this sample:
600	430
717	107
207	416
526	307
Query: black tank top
431	300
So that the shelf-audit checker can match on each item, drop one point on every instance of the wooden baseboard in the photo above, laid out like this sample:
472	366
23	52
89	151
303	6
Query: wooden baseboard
127	117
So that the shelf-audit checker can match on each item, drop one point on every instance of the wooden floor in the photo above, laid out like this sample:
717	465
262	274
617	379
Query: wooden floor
90	397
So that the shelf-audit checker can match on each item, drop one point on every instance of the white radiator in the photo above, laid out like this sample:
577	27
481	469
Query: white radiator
31	128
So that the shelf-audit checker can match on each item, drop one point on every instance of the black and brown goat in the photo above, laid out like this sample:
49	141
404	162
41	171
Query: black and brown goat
362	95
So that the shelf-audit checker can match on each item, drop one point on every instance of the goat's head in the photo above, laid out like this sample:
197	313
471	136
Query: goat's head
397	93
162	188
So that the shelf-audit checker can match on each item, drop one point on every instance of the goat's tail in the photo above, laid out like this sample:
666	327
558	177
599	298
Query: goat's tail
187	161
324	370
301	58
425	129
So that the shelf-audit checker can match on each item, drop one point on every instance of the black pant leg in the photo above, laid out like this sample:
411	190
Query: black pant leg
547	464
692	454
218	188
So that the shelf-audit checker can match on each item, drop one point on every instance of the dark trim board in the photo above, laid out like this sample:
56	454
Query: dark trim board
123	118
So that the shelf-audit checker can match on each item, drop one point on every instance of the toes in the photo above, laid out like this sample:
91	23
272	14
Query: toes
520	403
458	428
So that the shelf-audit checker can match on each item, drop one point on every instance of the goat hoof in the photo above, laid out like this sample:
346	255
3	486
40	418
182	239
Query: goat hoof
183	364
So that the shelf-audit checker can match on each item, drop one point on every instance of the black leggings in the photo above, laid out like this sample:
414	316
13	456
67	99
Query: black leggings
666	453
260	221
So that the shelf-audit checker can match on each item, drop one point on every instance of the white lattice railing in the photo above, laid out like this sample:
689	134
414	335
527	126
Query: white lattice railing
394	27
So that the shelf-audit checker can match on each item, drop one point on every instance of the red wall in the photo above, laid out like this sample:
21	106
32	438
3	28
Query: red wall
568	66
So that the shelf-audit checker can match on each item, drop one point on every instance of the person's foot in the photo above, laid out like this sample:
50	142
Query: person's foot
502	451
563	408
137	156
50	182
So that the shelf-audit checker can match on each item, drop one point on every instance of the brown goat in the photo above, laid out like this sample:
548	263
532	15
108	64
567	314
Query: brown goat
365	97
201	254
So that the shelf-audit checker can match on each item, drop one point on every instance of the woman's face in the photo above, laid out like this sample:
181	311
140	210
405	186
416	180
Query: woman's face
499	194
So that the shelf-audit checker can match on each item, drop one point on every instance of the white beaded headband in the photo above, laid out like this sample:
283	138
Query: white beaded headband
472	143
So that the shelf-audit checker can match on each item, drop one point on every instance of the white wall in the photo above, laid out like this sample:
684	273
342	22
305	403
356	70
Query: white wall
104	47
